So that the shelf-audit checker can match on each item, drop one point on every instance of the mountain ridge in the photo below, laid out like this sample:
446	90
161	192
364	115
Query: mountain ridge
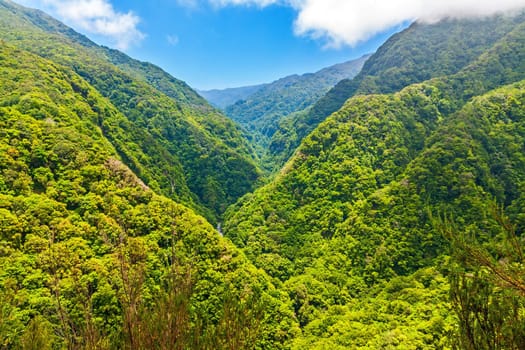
352	210
171	119
418	53
260	112
223	98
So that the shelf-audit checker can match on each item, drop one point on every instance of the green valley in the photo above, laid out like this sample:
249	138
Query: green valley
378	204
260	108
90	254
350	222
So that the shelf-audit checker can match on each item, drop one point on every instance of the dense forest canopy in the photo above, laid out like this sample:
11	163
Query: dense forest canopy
396	223
90	255
418	53
171	138
260	108
352	212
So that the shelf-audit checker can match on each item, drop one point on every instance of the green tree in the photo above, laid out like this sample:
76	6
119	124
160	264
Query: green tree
487	286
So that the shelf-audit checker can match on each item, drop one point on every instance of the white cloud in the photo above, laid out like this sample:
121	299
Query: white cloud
96	17
348	22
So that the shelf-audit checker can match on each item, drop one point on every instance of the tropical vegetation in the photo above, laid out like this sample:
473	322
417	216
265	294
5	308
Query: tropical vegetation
134	215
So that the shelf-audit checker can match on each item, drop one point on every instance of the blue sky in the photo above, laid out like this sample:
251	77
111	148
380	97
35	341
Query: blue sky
233	46
229	43
211	46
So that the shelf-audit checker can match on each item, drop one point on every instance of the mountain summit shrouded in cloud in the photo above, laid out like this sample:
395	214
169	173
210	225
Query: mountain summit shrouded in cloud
348	22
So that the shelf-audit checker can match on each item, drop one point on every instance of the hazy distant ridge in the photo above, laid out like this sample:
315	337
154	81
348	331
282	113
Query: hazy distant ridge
222	98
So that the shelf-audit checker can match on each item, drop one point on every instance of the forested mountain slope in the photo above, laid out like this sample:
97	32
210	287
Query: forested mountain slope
222	98
418	53
397	223
90	256
347	225
173	140
260	112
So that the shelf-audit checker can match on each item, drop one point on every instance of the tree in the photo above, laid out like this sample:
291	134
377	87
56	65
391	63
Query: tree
487	286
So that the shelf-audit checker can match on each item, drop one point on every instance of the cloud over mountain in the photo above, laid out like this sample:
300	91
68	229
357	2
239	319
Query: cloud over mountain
348	22
96	17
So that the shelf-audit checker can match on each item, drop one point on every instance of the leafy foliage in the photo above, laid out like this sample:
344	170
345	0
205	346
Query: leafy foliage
173	140
350	211
341	250
419	53
487	286
89	254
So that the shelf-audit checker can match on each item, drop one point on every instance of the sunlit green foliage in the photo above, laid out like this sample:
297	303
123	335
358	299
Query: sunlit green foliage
421	52
89	254
351	210
172	138
341	250
487	285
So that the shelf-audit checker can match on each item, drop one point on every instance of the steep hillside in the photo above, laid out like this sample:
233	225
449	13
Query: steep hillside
90	256
260	112
347	225
420	52
225	97
177	140
398	221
